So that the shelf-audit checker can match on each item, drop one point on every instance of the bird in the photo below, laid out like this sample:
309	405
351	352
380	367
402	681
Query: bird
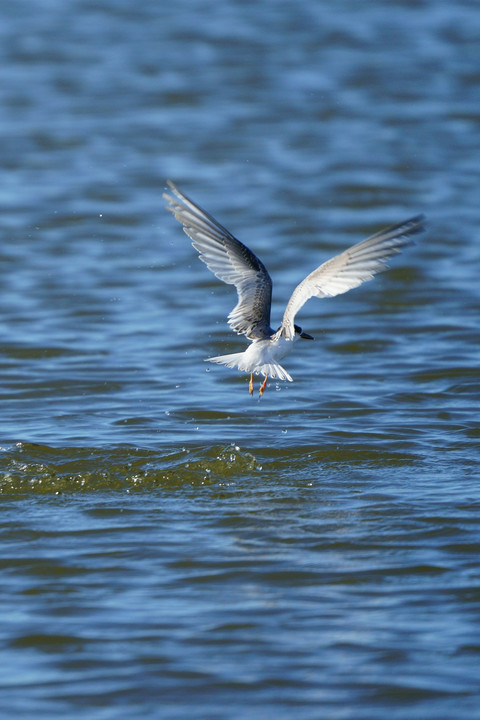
235	264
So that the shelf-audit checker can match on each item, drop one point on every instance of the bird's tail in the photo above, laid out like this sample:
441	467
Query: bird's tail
232	361
272	369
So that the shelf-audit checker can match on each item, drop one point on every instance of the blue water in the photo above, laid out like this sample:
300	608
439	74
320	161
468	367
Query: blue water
171	547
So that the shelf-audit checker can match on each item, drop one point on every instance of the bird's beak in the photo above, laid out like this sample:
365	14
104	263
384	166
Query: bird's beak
306	336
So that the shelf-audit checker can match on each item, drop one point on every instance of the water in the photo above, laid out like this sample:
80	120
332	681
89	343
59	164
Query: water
169	545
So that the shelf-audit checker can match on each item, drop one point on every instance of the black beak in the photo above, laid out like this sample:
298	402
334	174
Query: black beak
306	336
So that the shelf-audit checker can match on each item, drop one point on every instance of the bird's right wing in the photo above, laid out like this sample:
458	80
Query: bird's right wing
230	261
351	268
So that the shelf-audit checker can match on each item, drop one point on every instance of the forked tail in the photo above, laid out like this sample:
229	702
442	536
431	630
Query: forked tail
271	369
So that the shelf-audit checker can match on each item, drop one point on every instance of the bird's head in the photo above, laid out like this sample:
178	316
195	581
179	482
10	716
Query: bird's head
300	334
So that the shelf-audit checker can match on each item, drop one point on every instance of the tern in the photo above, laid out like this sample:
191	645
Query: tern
232	262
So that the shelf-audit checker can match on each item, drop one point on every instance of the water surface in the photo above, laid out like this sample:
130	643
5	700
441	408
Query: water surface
171	546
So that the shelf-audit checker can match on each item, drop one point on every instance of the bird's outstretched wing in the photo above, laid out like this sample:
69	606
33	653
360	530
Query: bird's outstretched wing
351	268
230	261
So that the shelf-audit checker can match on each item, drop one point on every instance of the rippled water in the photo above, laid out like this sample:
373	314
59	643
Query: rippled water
171	547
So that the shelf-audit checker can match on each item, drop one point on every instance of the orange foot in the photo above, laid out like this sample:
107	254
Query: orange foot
263	386
250	384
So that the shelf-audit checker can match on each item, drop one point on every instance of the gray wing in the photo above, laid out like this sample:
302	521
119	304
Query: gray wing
230	261
351	268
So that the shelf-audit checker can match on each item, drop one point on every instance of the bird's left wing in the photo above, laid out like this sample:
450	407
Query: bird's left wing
230	261
351	268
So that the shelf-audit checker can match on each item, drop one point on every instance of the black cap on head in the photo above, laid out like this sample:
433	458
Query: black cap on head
303	335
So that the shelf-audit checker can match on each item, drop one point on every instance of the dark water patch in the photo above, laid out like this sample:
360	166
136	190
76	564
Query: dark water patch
48	643
41	469
434	374
34	353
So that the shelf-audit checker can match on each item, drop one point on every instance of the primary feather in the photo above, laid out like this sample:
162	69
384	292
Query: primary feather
231	261
351	268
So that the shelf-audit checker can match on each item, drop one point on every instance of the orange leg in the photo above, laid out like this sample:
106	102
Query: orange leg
263	386
250	384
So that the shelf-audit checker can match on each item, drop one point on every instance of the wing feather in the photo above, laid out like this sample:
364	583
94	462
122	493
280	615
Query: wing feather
230	261
351	268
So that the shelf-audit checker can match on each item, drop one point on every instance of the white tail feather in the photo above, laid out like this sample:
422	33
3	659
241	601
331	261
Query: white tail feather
272	369
231	361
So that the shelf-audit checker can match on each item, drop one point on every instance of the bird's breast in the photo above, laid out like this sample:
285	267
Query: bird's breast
280	347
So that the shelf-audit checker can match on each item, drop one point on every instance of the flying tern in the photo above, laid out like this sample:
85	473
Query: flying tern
233	263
